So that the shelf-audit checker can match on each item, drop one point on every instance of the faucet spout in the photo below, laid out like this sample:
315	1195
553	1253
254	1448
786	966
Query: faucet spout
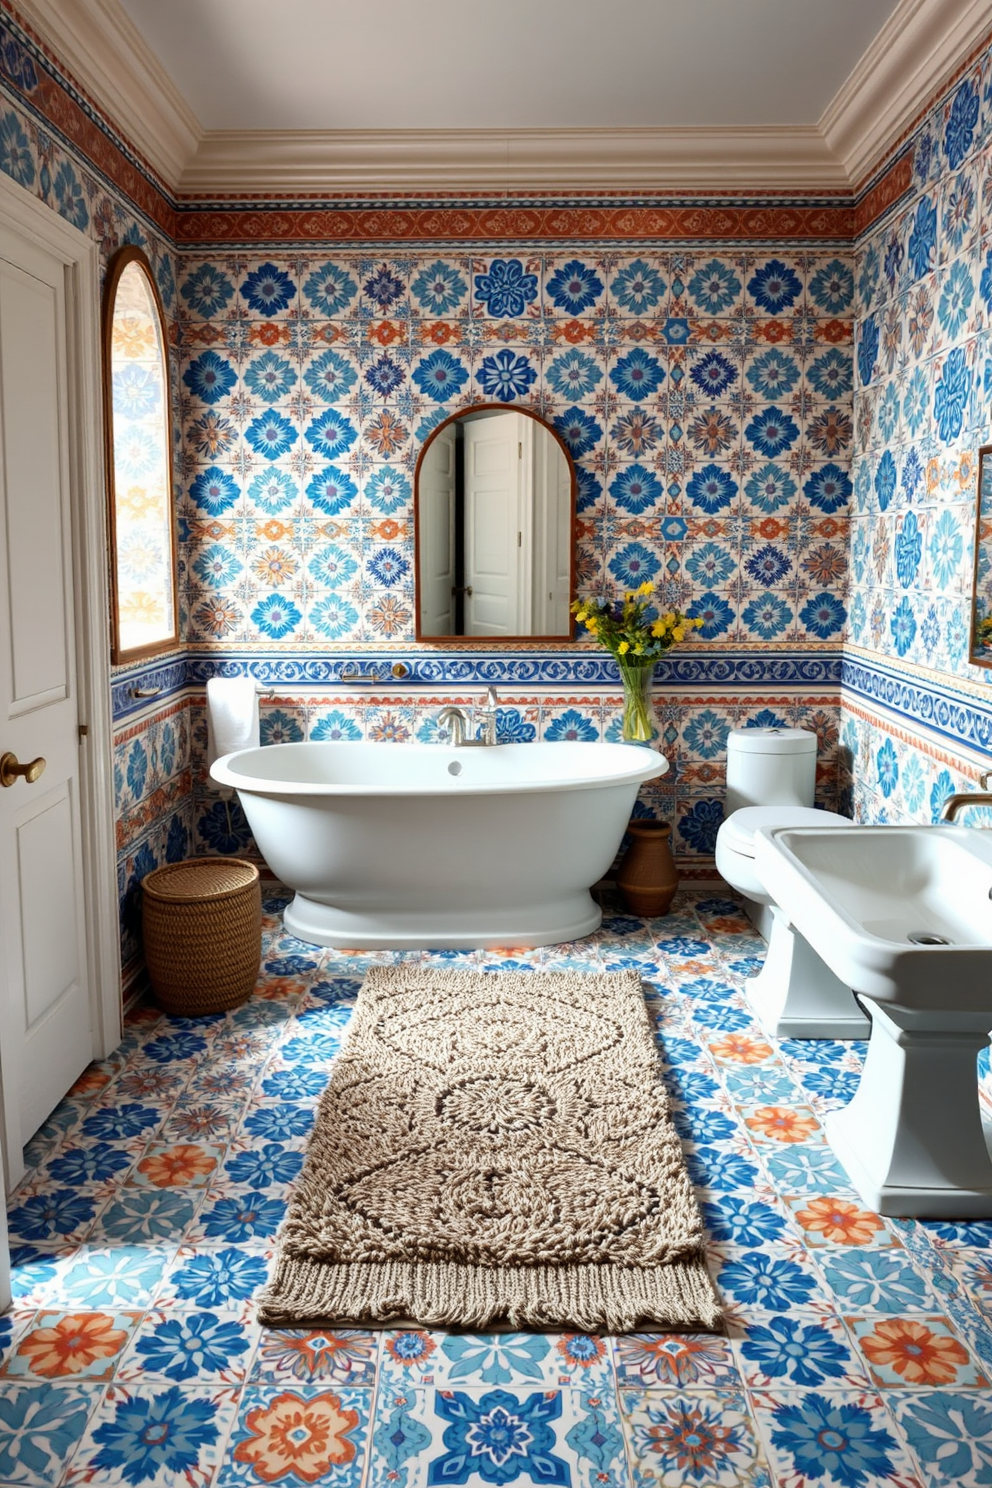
961	800
454	718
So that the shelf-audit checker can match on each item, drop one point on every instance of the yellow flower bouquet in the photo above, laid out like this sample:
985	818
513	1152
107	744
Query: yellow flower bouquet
636	633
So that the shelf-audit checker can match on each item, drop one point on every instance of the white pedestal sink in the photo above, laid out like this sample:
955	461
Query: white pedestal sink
903	915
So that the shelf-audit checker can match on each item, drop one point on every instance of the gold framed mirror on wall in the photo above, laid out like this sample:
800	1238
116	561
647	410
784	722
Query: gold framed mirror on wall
494	529
137	411
980	645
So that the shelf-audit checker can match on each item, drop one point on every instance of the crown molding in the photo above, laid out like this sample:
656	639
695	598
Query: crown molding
919	48
355	161
107	56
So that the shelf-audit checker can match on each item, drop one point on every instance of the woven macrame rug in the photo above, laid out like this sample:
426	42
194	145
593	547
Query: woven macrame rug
494	1147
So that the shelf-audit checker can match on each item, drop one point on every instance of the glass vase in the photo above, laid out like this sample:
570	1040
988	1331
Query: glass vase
637	725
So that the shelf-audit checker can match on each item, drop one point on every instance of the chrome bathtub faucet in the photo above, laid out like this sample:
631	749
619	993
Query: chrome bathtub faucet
457	720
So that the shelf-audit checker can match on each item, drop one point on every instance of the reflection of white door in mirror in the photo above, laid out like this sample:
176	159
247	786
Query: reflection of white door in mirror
494	507
552	528
437	536
496	496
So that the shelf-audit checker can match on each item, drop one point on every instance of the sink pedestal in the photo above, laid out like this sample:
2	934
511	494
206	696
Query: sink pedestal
911	1140
796	995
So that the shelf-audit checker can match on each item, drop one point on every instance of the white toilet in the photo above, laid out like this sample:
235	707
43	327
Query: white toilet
771	775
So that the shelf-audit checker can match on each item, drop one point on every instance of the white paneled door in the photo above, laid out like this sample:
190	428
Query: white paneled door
46	1021
494	526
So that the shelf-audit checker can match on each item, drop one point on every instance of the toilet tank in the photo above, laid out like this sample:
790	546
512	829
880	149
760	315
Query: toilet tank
770	767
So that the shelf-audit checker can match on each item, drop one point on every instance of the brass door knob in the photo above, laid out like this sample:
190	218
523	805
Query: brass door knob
10	769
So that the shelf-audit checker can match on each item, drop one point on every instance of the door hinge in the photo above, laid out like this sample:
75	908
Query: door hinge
520	539
520	449
83	730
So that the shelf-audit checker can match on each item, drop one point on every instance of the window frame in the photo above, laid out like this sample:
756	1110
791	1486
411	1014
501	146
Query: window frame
124	257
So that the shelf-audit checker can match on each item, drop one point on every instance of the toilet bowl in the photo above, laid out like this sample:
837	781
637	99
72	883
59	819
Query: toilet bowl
771	775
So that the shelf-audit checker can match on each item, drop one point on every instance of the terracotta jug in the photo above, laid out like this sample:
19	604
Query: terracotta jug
647	877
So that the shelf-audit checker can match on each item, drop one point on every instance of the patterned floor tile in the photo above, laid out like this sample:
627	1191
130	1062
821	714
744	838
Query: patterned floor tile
126	1276
190	1347
808	1349
164	1435
473	1435
877	1281
949	1434
833	1438
914	1351
832	1219
415	1357
659	1360
299	1434
71	1345
858	1350
341	1356
693	1437
40	1429
773	1279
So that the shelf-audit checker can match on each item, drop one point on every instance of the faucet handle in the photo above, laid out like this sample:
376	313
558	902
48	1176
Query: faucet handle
985	780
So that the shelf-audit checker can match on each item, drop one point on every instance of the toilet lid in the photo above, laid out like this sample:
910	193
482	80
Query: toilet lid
738	830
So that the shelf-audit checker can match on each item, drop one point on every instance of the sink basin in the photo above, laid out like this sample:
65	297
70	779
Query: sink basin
902	915
891	910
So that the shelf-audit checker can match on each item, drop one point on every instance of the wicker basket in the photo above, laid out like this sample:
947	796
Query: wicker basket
203	934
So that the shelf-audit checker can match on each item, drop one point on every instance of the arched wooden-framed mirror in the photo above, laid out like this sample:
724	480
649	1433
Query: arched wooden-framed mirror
494	519
138	429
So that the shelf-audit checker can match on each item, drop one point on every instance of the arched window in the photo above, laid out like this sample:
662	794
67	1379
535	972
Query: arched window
137	413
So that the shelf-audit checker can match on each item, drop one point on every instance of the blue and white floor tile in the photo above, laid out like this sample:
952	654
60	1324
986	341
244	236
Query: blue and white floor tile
858	1351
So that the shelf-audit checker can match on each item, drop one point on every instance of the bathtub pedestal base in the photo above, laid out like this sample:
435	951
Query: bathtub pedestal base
450	929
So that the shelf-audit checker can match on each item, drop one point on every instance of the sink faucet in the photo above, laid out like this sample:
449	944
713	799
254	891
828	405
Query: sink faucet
457	720
961	799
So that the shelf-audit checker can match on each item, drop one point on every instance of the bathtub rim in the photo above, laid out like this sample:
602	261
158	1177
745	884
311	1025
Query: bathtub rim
649	765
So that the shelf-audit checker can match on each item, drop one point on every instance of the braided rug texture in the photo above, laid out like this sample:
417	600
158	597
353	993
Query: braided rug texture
494	1147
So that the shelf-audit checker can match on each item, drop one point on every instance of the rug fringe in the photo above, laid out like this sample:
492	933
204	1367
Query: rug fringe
608	1298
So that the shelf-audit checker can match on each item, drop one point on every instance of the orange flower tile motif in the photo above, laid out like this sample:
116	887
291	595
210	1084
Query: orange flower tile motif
740	1048
268	334
297	1439
277	989
386	434
90	1081
182	1166
781	1123
834	331
918	1351
574	331
74	1344
835	1221
439	332
387	332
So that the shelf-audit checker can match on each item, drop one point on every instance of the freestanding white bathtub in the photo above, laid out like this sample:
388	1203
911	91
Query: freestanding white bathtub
420	845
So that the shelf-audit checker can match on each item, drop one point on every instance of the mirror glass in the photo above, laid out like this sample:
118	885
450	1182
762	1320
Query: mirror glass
494	504
981	607
139	463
